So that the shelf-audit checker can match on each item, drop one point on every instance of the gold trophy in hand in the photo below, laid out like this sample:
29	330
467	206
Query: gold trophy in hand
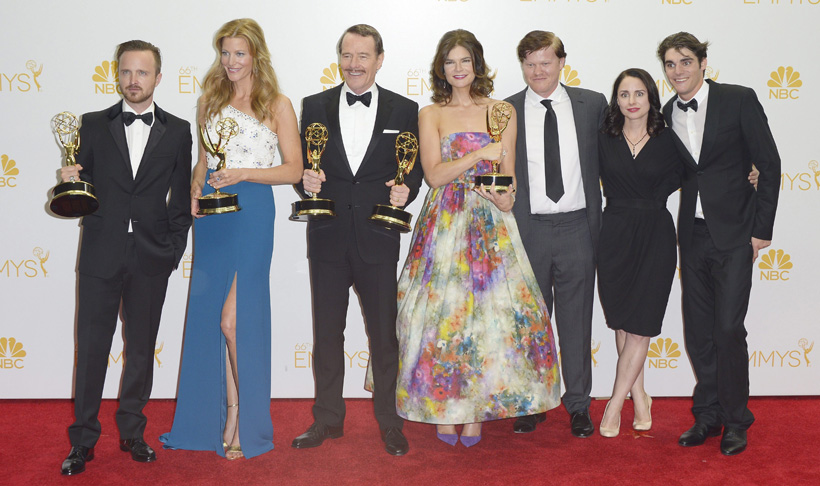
391	217
219	202
314	208
73	198
497	120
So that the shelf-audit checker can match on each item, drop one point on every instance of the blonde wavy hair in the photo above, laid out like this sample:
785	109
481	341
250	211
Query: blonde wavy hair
217	89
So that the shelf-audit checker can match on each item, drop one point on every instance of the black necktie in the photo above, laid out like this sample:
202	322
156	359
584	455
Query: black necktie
552	154
129	117
365	98
693	103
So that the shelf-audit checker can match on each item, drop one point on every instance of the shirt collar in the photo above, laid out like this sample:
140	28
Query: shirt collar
558	95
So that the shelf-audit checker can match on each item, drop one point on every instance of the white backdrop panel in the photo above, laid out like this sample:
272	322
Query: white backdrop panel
56	58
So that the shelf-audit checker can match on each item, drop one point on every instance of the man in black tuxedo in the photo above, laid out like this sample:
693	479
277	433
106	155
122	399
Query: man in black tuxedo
558	209
723	222
357	172
133	153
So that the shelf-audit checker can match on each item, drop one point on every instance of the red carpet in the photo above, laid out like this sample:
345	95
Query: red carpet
782	451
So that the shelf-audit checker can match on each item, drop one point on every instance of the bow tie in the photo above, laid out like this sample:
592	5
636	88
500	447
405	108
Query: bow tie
129	117
693	103
364	98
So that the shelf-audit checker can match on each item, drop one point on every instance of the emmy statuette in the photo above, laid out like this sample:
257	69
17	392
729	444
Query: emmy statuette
219	202
314	208
391	217
497	120
73	198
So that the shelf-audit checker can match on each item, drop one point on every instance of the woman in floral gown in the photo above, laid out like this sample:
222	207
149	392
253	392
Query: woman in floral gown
475	339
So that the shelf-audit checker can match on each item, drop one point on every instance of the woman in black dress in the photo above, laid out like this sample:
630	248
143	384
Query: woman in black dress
640	168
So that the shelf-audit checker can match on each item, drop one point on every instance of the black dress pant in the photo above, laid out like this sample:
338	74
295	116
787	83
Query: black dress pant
376	286
142	298
716	286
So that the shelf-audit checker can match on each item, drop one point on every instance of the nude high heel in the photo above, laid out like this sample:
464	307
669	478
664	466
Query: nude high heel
606	432
647	424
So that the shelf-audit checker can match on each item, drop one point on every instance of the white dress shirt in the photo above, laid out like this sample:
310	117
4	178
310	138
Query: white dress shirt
534	113
689	126
136	136
356	123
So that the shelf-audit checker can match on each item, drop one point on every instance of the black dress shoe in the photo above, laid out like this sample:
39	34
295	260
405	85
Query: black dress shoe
75	462
698	434
527	423
316	434
140	451
733	441
581	424
394	441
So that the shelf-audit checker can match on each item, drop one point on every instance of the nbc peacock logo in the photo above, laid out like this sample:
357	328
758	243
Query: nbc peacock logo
784	84
775	265
11	354
106	78
8	172
663	354
331	76
569	76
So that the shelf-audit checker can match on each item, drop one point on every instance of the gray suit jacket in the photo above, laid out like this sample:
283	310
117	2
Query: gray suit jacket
588	110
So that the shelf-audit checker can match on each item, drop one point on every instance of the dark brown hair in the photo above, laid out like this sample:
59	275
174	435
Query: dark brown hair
683	40
614	119
482	84
139	45
540	39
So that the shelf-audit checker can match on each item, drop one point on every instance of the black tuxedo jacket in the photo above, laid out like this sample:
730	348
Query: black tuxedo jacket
588	111
160	223
736	135
355	195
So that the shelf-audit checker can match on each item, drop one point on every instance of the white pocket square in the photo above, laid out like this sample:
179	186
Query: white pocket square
387	130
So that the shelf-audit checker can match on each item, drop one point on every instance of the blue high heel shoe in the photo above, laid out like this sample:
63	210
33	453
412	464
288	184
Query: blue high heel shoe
469	440
451	439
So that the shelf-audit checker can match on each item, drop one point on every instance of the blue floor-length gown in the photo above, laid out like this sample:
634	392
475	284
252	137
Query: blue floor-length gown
241	244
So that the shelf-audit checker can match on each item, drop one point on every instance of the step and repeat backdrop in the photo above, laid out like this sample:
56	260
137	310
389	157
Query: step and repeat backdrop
58	56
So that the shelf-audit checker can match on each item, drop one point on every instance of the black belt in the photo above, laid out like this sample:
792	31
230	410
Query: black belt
560	217
635	203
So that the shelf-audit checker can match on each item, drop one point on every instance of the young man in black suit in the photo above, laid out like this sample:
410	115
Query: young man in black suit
723	222
558	209
134	154
357	172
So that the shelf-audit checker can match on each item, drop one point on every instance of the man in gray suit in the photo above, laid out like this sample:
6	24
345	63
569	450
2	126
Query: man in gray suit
558	209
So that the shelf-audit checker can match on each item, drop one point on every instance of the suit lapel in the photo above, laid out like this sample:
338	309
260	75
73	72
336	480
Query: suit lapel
521	160
579	114
157	131
667	115
382	115
334	128
117	128
712	122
